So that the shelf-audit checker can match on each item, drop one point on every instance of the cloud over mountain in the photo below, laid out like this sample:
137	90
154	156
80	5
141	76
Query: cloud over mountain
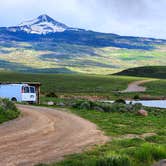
126	17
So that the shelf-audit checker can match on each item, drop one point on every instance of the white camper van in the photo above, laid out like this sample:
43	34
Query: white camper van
18	92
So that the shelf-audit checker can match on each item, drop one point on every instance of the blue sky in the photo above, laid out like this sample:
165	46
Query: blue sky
126	17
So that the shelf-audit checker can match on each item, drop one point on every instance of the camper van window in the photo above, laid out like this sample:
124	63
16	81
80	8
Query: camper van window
32	89
26	89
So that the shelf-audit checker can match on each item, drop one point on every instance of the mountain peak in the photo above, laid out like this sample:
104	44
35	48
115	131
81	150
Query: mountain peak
43	24
45	18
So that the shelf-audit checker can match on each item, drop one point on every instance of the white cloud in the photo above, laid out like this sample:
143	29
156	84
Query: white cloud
126	17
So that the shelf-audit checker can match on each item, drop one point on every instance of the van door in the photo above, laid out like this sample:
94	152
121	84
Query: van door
28	94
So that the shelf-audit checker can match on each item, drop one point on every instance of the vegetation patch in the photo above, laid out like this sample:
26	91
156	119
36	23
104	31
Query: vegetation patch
8	110
118	106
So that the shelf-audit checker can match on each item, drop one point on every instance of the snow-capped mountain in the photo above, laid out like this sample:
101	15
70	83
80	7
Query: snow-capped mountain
44	28
41	25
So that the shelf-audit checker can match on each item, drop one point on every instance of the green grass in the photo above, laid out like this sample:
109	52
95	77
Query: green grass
140	151
117	124
157	88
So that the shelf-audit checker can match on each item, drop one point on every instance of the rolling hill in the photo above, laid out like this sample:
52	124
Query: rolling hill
148	71
44	45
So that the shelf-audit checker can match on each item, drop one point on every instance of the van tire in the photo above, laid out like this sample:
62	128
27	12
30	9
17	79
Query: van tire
14	99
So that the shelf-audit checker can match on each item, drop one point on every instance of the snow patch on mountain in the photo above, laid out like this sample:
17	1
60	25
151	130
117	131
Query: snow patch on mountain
41	25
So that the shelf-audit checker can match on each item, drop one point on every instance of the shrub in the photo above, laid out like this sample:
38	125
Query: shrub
77	104
85	105
136	97
51	94
120	101
97	108
8	110
106	107
5	104
114	160
137	107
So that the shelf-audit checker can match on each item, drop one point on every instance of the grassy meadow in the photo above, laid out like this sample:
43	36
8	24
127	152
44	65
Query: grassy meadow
86	85
71	83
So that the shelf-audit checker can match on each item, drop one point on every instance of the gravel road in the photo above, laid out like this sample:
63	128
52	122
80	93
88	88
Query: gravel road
43	135
136	86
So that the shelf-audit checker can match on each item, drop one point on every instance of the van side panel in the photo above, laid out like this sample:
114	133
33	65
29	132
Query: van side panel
11	91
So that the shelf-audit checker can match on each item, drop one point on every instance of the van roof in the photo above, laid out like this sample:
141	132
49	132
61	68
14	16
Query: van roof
29	83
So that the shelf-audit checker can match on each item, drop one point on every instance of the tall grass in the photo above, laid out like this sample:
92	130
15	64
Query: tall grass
114	159
149	152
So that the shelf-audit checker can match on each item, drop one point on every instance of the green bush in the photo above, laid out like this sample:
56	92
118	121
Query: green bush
120	101
136	97
8	110
77	104
5	104
137	106
85	105
51	94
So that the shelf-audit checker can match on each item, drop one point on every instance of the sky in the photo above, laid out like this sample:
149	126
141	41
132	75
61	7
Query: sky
125	17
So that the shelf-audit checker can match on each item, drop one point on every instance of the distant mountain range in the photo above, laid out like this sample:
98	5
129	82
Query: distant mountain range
45	28
46	45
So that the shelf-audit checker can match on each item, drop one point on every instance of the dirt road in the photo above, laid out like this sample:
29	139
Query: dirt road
136	86
44	135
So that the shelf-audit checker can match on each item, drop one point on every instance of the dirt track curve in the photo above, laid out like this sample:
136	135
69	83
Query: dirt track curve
136	86
45	135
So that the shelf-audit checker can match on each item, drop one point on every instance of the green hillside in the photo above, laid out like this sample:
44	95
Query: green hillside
148	71
52	57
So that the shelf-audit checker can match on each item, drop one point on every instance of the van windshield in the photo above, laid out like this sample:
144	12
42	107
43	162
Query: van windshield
26	89
32	89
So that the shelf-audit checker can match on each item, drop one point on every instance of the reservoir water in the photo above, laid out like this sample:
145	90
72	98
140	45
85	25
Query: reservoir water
147	103
151	103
